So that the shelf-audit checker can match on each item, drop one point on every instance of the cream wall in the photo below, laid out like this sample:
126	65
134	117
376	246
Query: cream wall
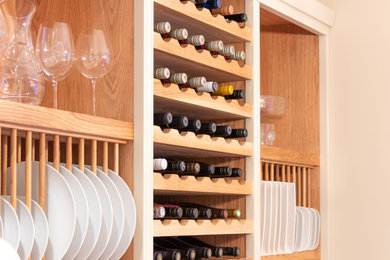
359	205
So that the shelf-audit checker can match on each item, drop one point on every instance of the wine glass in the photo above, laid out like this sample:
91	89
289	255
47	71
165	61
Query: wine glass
55	52
93	58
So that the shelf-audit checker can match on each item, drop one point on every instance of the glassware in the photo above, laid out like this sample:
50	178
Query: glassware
272	106
21	78
268	134
55	52
5	31
93	58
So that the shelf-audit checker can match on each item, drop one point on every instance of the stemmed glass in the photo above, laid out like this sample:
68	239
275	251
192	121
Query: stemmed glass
55	52
93	58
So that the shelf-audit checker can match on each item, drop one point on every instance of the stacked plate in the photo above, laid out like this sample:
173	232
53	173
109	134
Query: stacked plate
286	228
79	220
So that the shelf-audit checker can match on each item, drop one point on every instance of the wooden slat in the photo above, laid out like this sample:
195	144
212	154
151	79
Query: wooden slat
4	166
266	171
94	156
19	150
215	68
65	123
283	173
299	186
116	158
81	154
308	255
272	172
13	176
200	21
33	150
69	153
42	169
105	157
277	172
203	106
294	180
56	152
304	187
276	154
28	169
288	173
189	185
309	188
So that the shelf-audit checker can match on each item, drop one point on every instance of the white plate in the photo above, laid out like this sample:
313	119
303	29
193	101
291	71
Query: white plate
60	207
11	228
313	228
130	215
1	228
283	218
306	229
268	217
107	220
119	215
318	228
263	199
275	217
95	214
82	212
298	230
27	229
41	236
7	251
291	215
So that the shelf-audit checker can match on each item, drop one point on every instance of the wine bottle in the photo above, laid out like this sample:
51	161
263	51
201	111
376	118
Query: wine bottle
209	87
234	213
204	212
237	94
236	172
163	28
227	51
179	34
207	128
171	211
201	252
224	10
174	167
195	82
238	56
163	119
231	251
239	18
158	255
178	122
193	126
188	212
238	133
213	46
195	1
222	131
223	90
158	212
160	164
192	168
206	169
161	242
177	78
161	73
211	4
216	251
225	171
168	253
196	40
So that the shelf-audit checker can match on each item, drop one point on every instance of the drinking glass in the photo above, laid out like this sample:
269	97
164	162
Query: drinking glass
93	58
55	52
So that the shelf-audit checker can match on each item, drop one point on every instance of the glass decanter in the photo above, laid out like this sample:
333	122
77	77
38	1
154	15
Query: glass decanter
21	78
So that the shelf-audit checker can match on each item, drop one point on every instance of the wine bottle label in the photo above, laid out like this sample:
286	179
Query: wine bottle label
160	164
228	51
223	90
162	73
163	27
178	78
196	40
179	34
197	82
239	55
210	86
215	46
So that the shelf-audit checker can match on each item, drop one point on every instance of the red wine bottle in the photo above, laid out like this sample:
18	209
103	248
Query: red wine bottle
195	82
204	212
161	73
178	122
206	169
163	28
192	168
171	211
195	1
158	255
231	251
222	131
158	212
237	94
239	18
160	164
216	251
193	126
163	119
225	171
209	87
174	167
201	252
227	51
207	128
238	56
179	34
238	133
196	40
188	212
213	46
168	253
236	172
177	78
160	242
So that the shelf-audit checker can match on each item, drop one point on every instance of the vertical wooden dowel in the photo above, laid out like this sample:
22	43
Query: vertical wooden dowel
19	157
105	157
1	159
304	187
93	156
288	173
277	172
272	172
33	150
294	180
4	166
309	187
28	169
116	158
13	157
299	185
42	169
283	173
266	172
69	153
262	171
56	152
81	155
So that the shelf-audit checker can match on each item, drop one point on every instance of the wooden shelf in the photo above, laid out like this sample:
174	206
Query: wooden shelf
202	106
200	21
276	154
170	142
169	53
308	255
54	121
202	227
189	185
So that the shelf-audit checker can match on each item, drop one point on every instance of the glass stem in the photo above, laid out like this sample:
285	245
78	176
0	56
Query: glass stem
55	83
94	96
